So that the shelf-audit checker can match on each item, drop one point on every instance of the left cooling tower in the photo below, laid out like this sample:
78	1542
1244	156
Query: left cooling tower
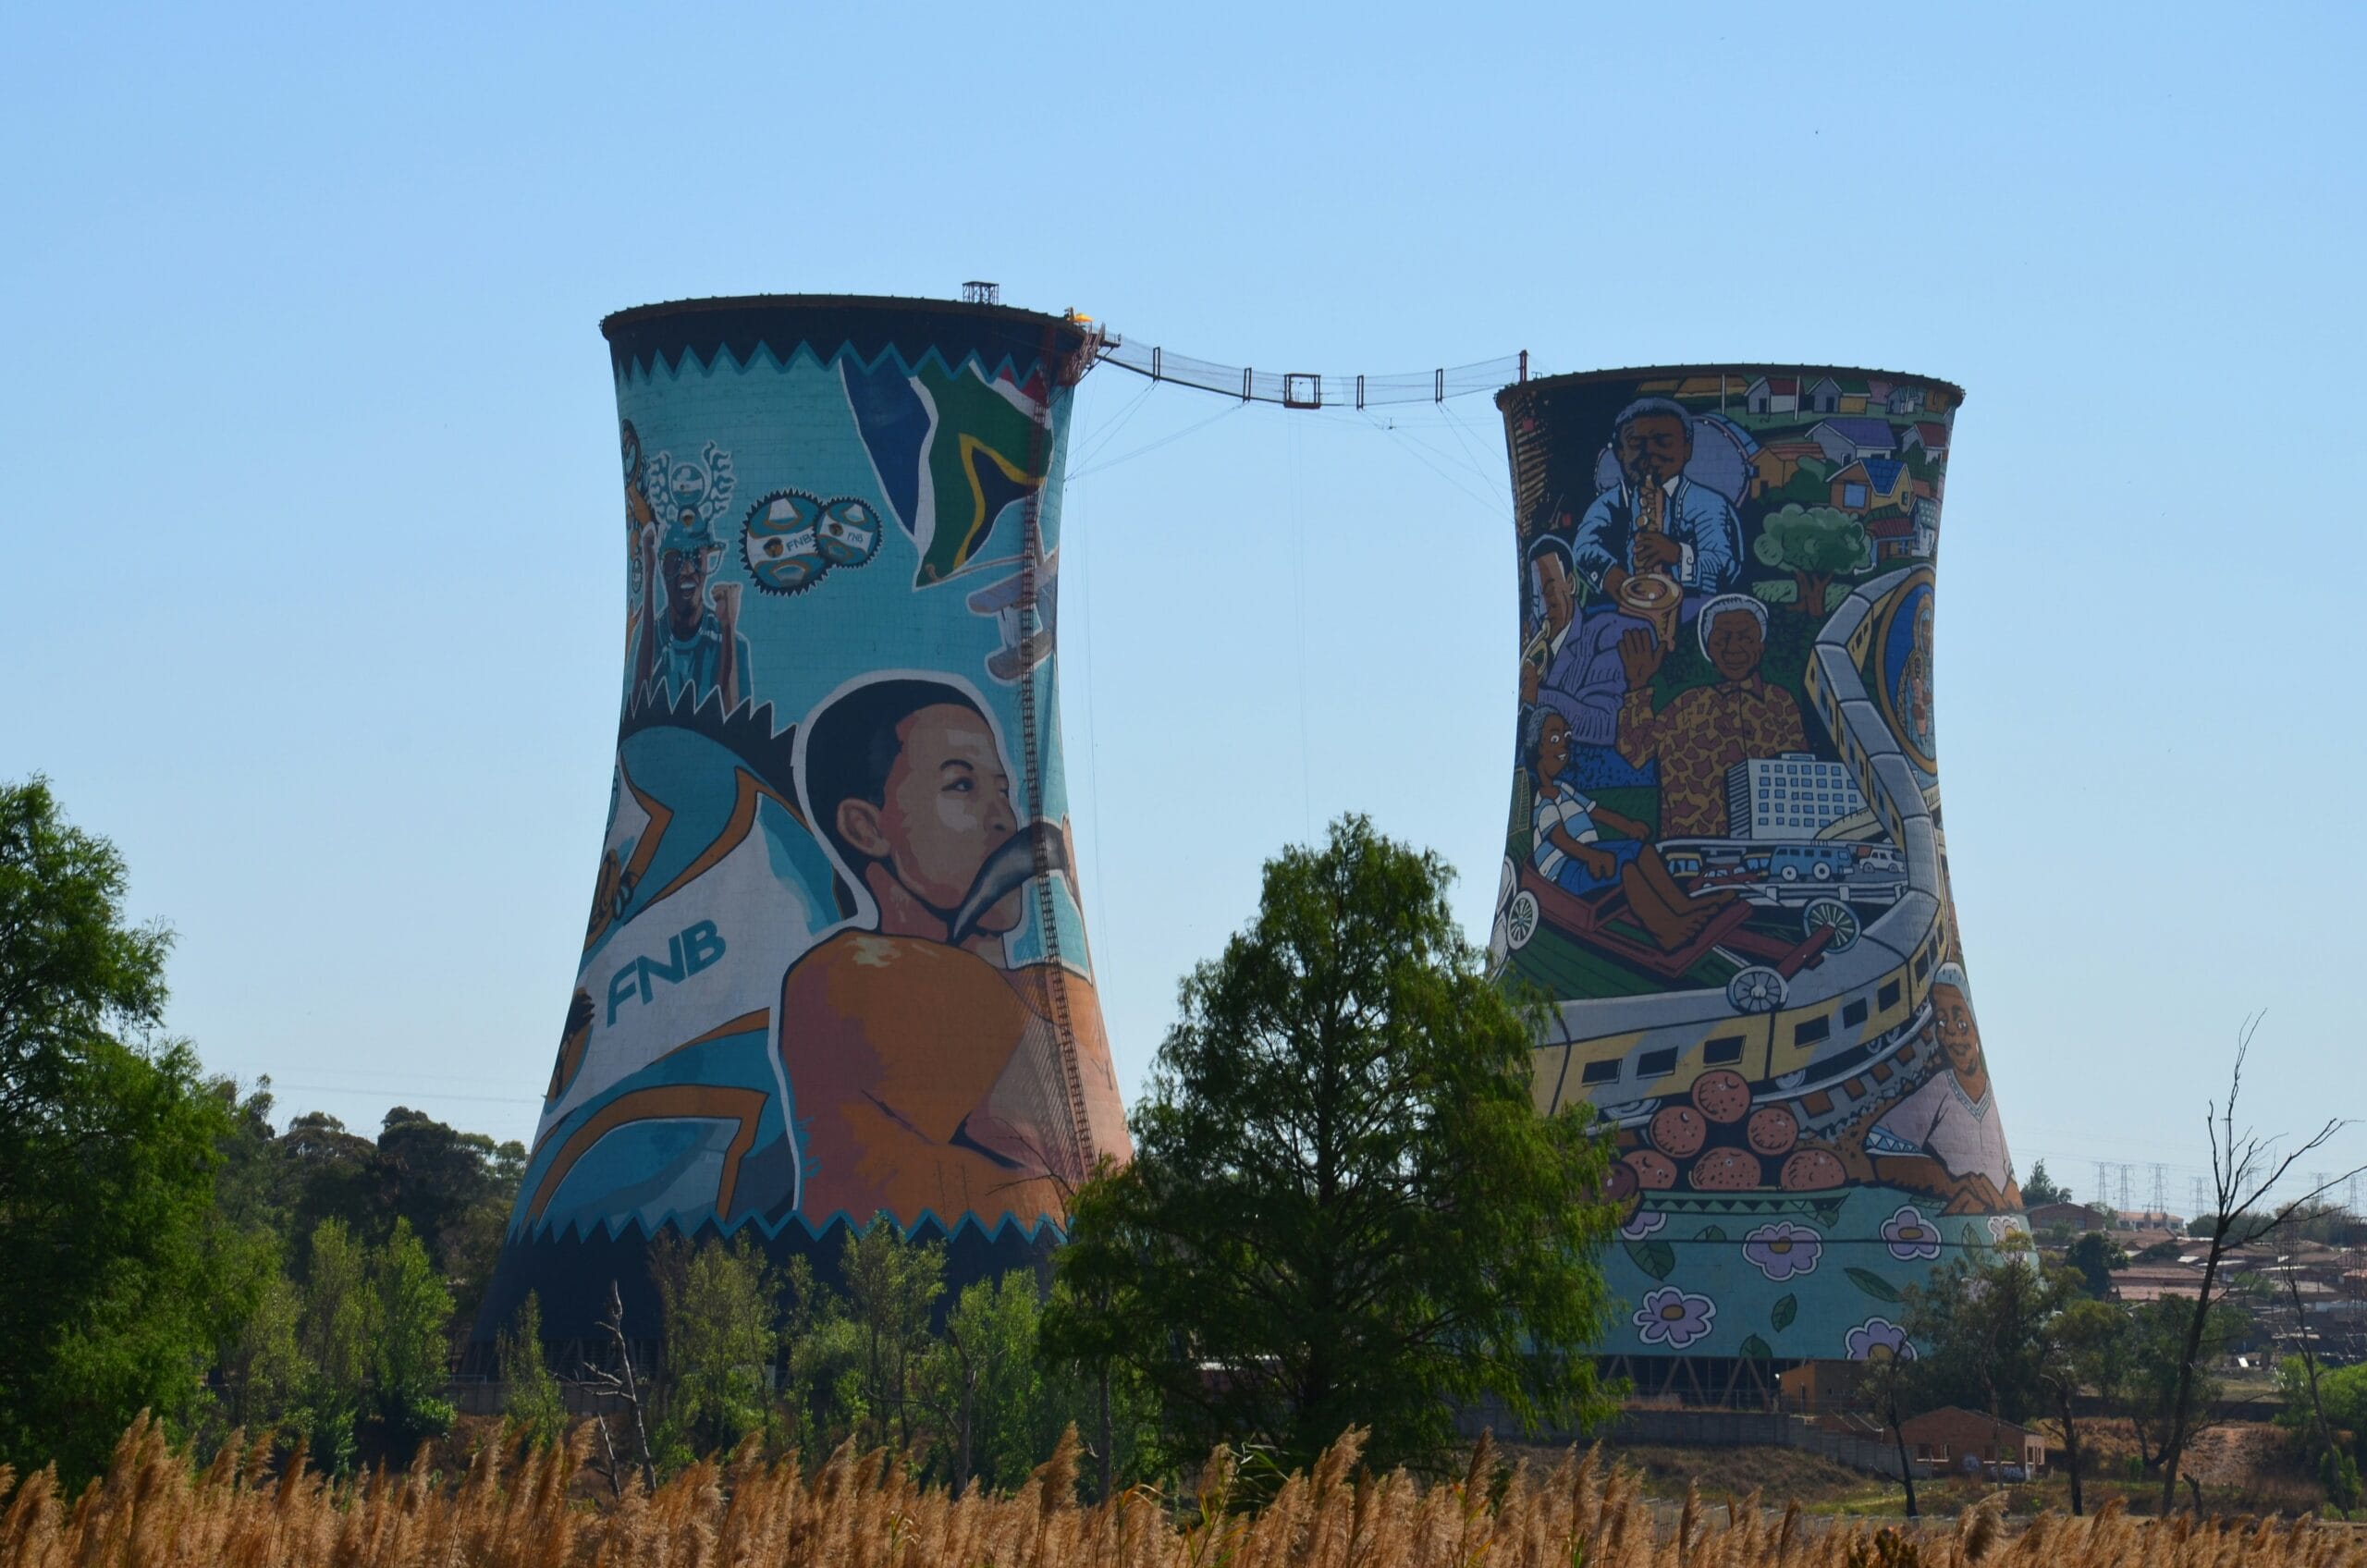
835	968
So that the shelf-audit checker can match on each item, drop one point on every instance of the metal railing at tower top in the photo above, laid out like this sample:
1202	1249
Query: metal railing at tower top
1307	389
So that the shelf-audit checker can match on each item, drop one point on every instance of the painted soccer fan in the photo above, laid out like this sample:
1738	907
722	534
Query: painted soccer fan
696	646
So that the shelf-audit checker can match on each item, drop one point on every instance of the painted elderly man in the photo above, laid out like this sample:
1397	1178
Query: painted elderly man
1655	520
1707	729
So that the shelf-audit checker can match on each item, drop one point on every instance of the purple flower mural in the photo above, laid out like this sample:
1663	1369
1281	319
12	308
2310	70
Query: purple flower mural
1642	1223
1910	1235
1878	1336
1672	1317
1783	1249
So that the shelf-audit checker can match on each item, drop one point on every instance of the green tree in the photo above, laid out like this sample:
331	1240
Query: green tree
982	1381
2041	1189
410	1358
2083	1346
1813	544
891	1288
258	1357
2166	1384
1978	1327
335	1333
2095	1256
715	1307
1344	1209
108	1142
531	1405
823	1371
455	1188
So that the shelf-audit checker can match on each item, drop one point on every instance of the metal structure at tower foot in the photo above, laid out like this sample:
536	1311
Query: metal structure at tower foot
835	970
1724	861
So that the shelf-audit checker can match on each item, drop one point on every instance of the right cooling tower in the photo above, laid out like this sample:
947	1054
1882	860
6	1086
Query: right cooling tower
1724	863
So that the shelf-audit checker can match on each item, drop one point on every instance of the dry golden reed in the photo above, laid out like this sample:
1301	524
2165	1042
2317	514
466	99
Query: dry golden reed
862	1510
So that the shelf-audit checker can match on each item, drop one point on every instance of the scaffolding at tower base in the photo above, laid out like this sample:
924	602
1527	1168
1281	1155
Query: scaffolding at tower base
1307	389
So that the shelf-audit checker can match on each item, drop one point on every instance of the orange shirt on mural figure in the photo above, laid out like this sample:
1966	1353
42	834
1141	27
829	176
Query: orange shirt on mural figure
929	1082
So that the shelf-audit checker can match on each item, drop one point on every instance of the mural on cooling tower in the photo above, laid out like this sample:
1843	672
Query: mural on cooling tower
834	964
1724	858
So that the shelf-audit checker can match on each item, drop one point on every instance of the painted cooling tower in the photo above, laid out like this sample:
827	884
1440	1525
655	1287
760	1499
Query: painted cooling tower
834	966
1725	860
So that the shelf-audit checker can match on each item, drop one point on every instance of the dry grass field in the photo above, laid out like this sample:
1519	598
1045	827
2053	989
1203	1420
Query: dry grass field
861	1512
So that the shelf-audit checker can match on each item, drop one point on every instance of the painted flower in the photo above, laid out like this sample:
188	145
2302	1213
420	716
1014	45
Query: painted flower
1641	1224
1783	1249
1670	1316
1911	1235
2006	1227
1879	1336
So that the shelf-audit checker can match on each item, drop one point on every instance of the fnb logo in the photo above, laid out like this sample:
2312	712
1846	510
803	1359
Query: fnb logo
689	951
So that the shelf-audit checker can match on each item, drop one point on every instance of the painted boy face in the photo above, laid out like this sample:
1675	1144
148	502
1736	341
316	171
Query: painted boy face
1552	747
947	807
1736	644
1653	448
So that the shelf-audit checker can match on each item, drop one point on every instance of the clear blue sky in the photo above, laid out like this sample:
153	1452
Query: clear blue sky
313	599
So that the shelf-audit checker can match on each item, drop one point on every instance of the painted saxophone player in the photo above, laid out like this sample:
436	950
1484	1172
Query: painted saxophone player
1724	861
835	971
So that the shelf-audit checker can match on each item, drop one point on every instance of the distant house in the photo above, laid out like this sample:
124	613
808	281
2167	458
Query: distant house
1872	484
1813	1386
1793	395
1928	436
1844	440
1946	1438
2146	1282
2079	1215
1773	394
1892	533
1692	388
1926	545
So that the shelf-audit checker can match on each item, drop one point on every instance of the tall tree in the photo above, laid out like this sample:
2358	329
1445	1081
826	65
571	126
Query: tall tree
716	1304
107	1148
408	1355
532	1405
1813	544
1344	1209
2041	1189
2246	1167
891	1288
2083	1346
338	1325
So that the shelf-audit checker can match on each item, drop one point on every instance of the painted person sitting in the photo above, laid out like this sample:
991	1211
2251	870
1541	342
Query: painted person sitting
926	1072
1571	850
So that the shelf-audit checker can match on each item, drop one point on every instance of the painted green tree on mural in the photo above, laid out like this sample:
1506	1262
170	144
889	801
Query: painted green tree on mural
1814	543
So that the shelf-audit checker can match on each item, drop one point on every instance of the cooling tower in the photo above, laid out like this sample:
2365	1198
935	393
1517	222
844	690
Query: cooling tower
835	968
1724	863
